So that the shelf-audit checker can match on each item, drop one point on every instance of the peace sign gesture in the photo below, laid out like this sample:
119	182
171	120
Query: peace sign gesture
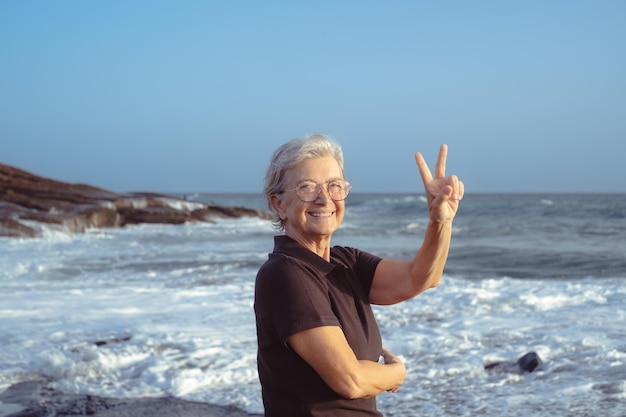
443	193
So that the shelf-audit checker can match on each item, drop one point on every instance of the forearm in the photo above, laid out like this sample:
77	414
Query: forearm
374	378
399	280
429	261
339	367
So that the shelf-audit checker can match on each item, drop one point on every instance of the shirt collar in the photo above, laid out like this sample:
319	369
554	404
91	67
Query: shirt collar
286	245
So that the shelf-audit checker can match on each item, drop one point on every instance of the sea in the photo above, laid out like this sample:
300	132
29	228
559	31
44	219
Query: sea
164	310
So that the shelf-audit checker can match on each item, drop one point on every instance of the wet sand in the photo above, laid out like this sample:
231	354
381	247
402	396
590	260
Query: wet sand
34	399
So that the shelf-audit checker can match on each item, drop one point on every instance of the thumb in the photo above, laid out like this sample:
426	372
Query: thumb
445	194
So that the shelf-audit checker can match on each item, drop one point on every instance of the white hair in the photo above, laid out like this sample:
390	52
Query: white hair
291	154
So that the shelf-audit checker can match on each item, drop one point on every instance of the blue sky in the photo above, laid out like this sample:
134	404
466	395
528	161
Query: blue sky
195	95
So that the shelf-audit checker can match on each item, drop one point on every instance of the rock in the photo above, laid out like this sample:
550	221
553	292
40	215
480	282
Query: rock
35	399
113	340
13	228
30	203
528	362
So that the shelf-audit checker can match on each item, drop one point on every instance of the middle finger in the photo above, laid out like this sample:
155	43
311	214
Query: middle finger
440	168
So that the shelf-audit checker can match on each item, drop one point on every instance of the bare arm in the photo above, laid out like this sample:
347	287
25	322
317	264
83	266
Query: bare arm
326	350
395	280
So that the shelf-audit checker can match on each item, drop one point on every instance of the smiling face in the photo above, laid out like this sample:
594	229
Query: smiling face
310	223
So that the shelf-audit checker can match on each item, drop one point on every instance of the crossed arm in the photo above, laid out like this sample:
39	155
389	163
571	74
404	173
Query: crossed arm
327	351
326	348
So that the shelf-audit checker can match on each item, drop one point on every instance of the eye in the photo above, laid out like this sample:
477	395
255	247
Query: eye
336	185
306	187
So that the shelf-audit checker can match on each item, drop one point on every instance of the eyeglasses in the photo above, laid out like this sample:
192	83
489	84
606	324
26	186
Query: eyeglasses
308	191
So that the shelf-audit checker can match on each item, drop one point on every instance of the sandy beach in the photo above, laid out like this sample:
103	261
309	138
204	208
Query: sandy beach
34	399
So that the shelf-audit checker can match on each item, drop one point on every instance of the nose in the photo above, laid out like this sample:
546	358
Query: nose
322	192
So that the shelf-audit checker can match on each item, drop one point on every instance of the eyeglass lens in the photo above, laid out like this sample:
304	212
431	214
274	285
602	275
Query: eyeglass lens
309	191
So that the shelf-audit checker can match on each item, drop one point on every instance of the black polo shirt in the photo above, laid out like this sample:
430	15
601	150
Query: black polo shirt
297	290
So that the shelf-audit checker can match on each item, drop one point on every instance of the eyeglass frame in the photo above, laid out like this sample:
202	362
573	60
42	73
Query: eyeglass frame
318	188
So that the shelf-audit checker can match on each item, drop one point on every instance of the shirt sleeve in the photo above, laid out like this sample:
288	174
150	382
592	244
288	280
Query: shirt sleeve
290	298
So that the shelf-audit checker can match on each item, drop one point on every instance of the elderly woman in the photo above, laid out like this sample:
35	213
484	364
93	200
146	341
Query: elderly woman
319	347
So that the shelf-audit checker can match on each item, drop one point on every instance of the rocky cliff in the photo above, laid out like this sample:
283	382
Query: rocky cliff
30	203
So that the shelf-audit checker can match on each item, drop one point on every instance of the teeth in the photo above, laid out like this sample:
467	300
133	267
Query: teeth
321	214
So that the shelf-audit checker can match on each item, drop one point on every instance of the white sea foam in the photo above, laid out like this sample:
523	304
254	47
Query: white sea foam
137	203
181	204
557	301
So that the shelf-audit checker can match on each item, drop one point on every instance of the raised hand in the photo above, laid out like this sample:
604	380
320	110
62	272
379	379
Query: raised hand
443	193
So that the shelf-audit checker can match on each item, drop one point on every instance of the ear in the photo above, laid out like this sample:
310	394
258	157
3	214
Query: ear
277	205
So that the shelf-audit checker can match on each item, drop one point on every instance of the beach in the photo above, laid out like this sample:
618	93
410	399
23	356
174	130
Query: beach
30	399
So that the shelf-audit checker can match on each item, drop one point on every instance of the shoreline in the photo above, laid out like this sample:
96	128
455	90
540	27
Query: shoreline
34	399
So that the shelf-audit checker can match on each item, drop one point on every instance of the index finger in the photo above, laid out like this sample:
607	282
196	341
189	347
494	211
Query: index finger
423	167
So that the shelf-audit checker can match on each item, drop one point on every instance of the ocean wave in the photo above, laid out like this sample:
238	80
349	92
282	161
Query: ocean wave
156	310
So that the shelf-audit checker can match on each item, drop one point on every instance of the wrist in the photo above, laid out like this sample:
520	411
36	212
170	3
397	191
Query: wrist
440	221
